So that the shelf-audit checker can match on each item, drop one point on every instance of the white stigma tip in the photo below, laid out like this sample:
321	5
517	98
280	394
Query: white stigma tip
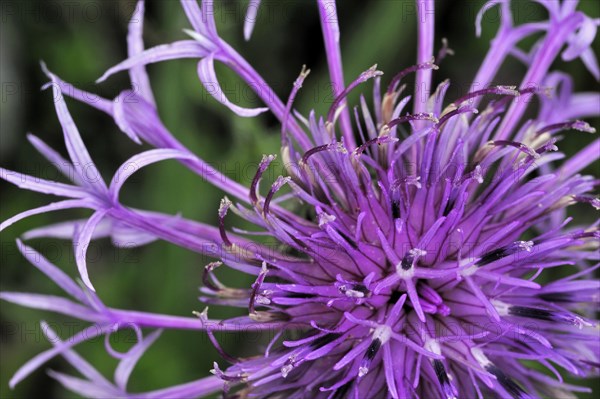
285	370
354	294
262	300
224	206
477	174
416	252
325	218
583	126
526	245
362	371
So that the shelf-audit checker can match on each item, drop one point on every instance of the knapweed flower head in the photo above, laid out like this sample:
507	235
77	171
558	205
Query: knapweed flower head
432	256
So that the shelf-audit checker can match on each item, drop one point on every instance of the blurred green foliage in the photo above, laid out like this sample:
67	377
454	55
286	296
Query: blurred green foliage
79	40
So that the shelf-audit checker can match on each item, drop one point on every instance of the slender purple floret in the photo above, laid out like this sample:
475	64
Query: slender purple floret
433	257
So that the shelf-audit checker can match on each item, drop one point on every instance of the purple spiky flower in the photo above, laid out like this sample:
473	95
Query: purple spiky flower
424	267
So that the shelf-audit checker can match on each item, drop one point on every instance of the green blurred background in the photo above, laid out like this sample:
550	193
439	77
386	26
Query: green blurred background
79	40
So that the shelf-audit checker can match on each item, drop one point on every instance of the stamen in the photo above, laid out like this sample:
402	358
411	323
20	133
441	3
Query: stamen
264	164
400	75
447	115
274	188
220	289
207	277
498	90
335	146
421	116
588	234
548	146
507	383
366	75
203	316
219	373
266	317
223	208
577	125
256	287
444	51
595	202
297	85
378	140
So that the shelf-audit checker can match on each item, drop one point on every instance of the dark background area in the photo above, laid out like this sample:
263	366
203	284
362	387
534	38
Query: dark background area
79	40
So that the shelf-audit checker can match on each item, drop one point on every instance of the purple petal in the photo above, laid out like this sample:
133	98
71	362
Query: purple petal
126	365
208	17
583	158
199	388
135	46
50	303
331	37
164	52
85	388
55	206
40	185
77	361
54	273
591	62
66	230
208	77
77	152
581	41
137	162
81	243
122	235
194	15
250	20
41	358
60	163
69	90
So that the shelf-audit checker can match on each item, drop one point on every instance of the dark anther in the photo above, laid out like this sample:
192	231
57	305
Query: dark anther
324	340
509	385
348	240
532	313
395	209
556	297
394	297
373	349
492	256
407	262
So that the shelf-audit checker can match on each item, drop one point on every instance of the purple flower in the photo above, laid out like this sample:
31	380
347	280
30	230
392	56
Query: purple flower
425	264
